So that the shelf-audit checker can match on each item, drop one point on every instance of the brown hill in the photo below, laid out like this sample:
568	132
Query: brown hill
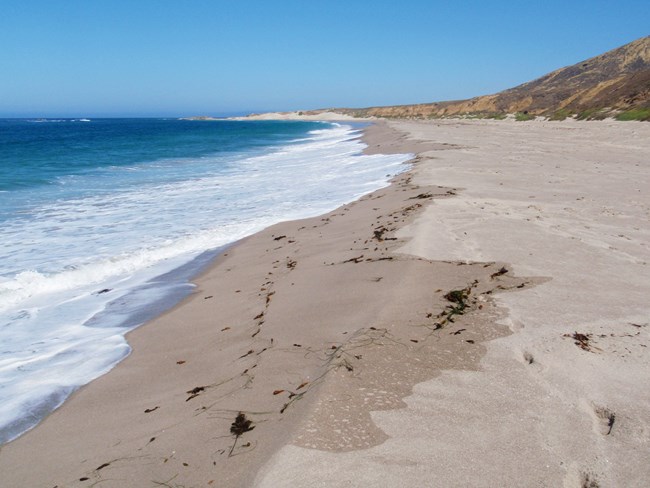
615	82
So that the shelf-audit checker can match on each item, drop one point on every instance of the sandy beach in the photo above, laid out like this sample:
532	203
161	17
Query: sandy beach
483	321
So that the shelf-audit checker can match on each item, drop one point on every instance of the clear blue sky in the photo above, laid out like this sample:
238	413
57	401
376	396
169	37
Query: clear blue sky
188	57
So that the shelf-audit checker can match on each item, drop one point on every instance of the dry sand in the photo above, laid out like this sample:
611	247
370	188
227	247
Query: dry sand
333	335
566	202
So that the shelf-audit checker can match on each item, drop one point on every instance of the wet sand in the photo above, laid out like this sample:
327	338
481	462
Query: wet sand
338	339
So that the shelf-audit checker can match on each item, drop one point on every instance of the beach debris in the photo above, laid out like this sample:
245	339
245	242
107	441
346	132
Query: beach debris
225	329
458	331
379	233
194	392
291	263
279	238
182	361
297	345
149	410
85	478
209	296
460	300
459	297
415	340
258	316
302	385
247	354
105	465
239	427
528	357
501	272
356	260
581	340
277	392
470	341
422	196
292	398
101	292
410	208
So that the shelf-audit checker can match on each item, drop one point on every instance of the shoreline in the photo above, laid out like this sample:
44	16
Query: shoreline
126	306
110	403
334	337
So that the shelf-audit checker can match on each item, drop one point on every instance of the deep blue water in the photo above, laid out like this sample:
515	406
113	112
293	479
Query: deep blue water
44	152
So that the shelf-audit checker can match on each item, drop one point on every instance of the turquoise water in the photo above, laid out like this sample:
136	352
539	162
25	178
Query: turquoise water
50	153
103	220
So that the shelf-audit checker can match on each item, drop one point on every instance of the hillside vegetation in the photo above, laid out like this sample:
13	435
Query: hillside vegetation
616	83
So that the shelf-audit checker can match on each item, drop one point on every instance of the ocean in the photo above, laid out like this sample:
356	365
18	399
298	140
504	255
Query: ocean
103	222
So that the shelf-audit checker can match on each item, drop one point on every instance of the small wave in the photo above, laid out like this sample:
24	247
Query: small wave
40	121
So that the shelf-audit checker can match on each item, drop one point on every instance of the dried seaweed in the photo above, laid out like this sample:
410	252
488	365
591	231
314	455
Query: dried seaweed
581	340
356	260
502	271
459	297
379	233
239	427
194	392
421	196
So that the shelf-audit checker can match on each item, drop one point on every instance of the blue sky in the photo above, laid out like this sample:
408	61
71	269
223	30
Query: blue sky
190	57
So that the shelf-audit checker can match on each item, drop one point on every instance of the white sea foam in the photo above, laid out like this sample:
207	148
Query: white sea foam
78	271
